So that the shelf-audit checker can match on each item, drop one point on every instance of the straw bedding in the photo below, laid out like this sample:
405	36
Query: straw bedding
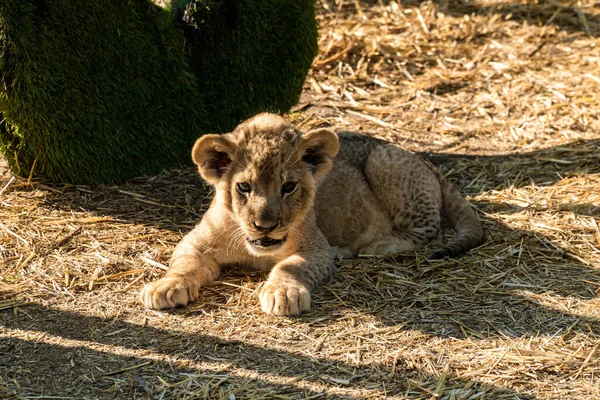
502	96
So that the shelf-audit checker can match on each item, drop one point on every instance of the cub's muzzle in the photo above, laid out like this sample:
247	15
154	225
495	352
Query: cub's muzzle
266	242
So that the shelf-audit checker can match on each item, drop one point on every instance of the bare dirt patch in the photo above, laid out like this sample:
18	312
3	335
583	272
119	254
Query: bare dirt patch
502	95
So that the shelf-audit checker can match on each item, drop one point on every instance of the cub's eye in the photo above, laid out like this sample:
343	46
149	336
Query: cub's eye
244	187
288	188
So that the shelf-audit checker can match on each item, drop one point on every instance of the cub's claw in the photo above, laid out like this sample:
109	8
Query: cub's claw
168	292
284	299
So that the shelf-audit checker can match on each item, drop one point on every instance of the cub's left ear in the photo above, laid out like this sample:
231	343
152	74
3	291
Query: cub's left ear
212	154
320	147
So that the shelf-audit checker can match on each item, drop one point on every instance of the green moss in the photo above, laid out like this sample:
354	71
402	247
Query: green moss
255	54
105	90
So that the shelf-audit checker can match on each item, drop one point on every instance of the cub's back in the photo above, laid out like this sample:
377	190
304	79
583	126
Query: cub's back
349	202
355	149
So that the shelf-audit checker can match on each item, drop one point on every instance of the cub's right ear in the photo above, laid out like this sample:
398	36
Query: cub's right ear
212	154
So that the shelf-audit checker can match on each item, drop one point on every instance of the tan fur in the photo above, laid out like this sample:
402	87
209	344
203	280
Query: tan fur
283	205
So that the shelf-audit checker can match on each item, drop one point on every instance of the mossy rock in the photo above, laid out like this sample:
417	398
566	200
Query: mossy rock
106	90
255	60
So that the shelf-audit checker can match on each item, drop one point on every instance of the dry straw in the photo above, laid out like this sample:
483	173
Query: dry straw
503	96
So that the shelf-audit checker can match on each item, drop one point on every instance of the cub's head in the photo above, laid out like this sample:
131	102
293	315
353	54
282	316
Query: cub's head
266	174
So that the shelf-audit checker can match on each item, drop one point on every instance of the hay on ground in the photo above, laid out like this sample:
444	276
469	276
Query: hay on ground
501	95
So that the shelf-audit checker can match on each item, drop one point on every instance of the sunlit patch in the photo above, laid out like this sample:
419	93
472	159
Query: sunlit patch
585	309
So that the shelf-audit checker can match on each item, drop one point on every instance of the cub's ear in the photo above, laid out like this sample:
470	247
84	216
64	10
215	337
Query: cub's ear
320	147
212	154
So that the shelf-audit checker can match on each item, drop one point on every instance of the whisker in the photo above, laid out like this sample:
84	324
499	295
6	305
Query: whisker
239	237
232	239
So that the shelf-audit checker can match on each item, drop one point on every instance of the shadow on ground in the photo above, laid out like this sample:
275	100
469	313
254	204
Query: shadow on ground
91	357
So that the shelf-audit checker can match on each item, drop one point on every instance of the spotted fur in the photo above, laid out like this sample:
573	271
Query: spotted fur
283	205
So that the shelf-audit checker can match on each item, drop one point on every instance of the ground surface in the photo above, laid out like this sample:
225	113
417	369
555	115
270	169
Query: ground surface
504	96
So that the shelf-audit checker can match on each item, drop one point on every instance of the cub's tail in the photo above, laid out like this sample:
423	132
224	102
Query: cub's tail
459	213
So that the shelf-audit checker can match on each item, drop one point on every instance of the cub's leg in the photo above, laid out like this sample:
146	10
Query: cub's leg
287	290
409	193
190	268
400	242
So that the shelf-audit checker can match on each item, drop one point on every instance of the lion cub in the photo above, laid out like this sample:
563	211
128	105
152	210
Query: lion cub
283	204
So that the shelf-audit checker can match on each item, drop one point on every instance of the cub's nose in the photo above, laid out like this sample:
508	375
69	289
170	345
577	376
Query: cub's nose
265	225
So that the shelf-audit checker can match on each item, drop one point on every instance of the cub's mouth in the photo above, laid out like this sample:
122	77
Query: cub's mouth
266	242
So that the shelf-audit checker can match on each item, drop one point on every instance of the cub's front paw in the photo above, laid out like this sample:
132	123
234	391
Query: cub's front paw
168	292
283	299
